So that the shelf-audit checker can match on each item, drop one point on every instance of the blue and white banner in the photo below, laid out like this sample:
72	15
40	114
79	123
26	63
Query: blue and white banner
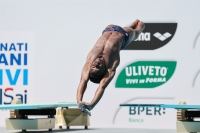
16	68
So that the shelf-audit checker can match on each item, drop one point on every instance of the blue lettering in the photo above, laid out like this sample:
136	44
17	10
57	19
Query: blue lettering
132	110
26	46
0	96
20	44
25	59
140	110
12	47
3	59
148	111
25	77
155	110
13	81
25	96
1	77
13	57
11	97
2	46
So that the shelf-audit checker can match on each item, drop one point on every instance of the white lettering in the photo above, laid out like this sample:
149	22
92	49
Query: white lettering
155	80
144	37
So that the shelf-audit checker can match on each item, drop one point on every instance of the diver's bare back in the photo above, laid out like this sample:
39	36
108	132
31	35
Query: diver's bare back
108	45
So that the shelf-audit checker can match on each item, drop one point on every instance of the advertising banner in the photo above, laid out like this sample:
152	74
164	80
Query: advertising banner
16	68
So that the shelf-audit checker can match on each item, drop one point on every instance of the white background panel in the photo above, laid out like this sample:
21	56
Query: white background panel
65	31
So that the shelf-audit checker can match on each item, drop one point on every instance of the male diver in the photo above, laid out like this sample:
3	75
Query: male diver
104	58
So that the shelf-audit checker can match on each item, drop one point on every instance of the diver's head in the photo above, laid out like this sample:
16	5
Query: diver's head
97	70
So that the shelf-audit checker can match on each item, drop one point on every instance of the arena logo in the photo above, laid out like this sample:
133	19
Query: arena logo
154	36
7	96
145	74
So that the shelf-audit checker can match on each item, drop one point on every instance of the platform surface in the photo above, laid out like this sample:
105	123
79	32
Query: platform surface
174	106
96	130
38	106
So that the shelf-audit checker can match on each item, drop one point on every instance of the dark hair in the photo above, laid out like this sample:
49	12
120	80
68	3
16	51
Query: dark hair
95	80
96	76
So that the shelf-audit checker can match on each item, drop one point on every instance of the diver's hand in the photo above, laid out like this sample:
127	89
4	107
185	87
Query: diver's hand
138	27
84	108
89	107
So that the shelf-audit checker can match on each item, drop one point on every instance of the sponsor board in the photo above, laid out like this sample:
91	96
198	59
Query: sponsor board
148	117
16	72
154	36
145	74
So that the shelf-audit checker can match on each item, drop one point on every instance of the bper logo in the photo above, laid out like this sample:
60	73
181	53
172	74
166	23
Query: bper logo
134	112
154	36
145	74
146	110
